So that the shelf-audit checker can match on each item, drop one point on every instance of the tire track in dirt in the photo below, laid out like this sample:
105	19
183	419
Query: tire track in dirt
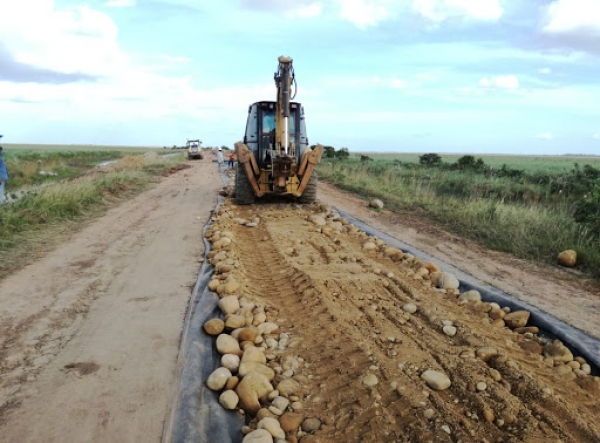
344	307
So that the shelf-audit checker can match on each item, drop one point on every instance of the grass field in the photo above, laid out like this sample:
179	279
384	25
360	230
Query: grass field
32	165
532	207
530	164
50	208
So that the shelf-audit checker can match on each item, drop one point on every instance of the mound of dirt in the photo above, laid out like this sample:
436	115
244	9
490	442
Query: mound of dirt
382	346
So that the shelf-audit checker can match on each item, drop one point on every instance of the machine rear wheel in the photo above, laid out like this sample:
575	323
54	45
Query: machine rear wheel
310	192
244	195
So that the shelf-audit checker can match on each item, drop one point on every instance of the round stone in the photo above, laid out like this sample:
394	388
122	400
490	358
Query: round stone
436	380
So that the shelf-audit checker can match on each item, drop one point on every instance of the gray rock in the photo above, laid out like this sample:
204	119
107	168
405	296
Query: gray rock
370	380
471	295
410	308
231	362
517	319
288	387
447	281
311	424
436	380
450	331
258	436
272	426
376	203
229	399
216	381
229	304
226	344
280	403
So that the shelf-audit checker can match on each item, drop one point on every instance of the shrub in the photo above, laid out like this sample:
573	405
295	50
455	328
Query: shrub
430	159
587	211
342	154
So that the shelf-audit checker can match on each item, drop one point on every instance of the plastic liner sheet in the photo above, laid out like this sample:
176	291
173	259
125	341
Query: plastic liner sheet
196	415
576	340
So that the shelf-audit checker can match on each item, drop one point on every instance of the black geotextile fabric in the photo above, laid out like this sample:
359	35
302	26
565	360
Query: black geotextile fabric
576	340
196	415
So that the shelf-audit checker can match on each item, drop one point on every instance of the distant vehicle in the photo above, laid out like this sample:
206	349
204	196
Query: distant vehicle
194	149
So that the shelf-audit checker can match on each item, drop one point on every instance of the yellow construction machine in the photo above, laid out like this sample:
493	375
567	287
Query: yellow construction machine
274	157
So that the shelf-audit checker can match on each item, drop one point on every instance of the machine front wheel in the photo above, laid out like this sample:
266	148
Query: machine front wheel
310	192
244	195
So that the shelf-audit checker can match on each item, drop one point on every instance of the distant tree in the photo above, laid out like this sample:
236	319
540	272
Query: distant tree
466	162
328	151
365	158
342	154
431	159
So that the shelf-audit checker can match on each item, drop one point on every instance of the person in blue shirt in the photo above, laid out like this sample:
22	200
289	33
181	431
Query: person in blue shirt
3	176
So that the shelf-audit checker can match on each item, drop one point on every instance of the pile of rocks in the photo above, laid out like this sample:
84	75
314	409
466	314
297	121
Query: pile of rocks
255	377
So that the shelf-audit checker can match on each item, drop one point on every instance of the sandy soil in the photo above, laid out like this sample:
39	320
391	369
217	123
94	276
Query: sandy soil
360	351
89	335
552	289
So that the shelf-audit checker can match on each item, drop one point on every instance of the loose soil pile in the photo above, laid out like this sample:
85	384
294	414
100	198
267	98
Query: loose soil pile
361	327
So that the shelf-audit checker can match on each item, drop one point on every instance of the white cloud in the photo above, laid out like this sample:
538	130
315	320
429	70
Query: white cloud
120	3
442	10
544	136
365	13
72	40
544	71
500	82
573	16
596	136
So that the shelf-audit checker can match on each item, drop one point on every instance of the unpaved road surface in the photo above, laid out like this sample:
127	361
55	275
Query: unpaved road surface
362	324
89	335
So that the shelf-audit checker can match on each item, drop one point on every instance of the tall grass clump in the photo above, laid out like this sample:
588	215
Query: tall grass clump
531	215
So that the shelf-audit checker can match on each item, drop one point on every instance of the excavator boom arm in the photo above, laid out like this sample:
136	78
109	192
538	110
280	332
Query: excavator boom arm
283	80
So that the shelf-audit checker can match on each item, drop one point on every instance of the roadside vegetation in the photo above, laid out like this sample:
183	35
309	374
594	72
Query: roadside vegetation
532	209
33	167
47	208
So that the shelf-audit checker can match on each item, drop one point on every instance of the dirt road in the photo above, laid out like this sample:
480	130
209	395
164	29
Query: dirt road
89	335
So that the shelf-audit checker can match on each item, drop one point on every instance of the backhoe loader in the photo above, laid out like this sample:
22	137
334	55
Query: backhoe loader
274	158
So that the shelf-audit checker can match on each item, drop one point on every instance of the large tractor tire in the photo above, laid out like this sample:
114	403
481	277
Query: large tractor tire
244	195
310	192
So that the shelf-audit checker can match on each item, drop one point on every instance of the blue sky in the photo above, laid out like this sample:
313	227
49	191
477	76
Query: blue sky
470	76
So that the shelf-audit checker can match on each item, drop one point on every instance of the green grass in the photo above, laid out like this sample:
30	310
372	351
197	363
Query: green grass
530	216
35	222
529	164
28	167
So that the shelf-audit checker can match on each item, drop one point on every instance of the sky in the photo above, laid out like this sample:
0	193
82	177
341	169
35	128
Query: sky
461	76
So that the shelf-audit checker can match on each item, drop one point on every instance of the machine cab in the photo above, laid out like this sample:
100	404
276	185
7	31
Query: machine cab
260	131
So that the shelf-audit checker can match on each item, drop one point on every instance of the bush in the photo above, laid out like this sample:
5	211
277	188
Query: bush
430	159
587	211
328	152
342	154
